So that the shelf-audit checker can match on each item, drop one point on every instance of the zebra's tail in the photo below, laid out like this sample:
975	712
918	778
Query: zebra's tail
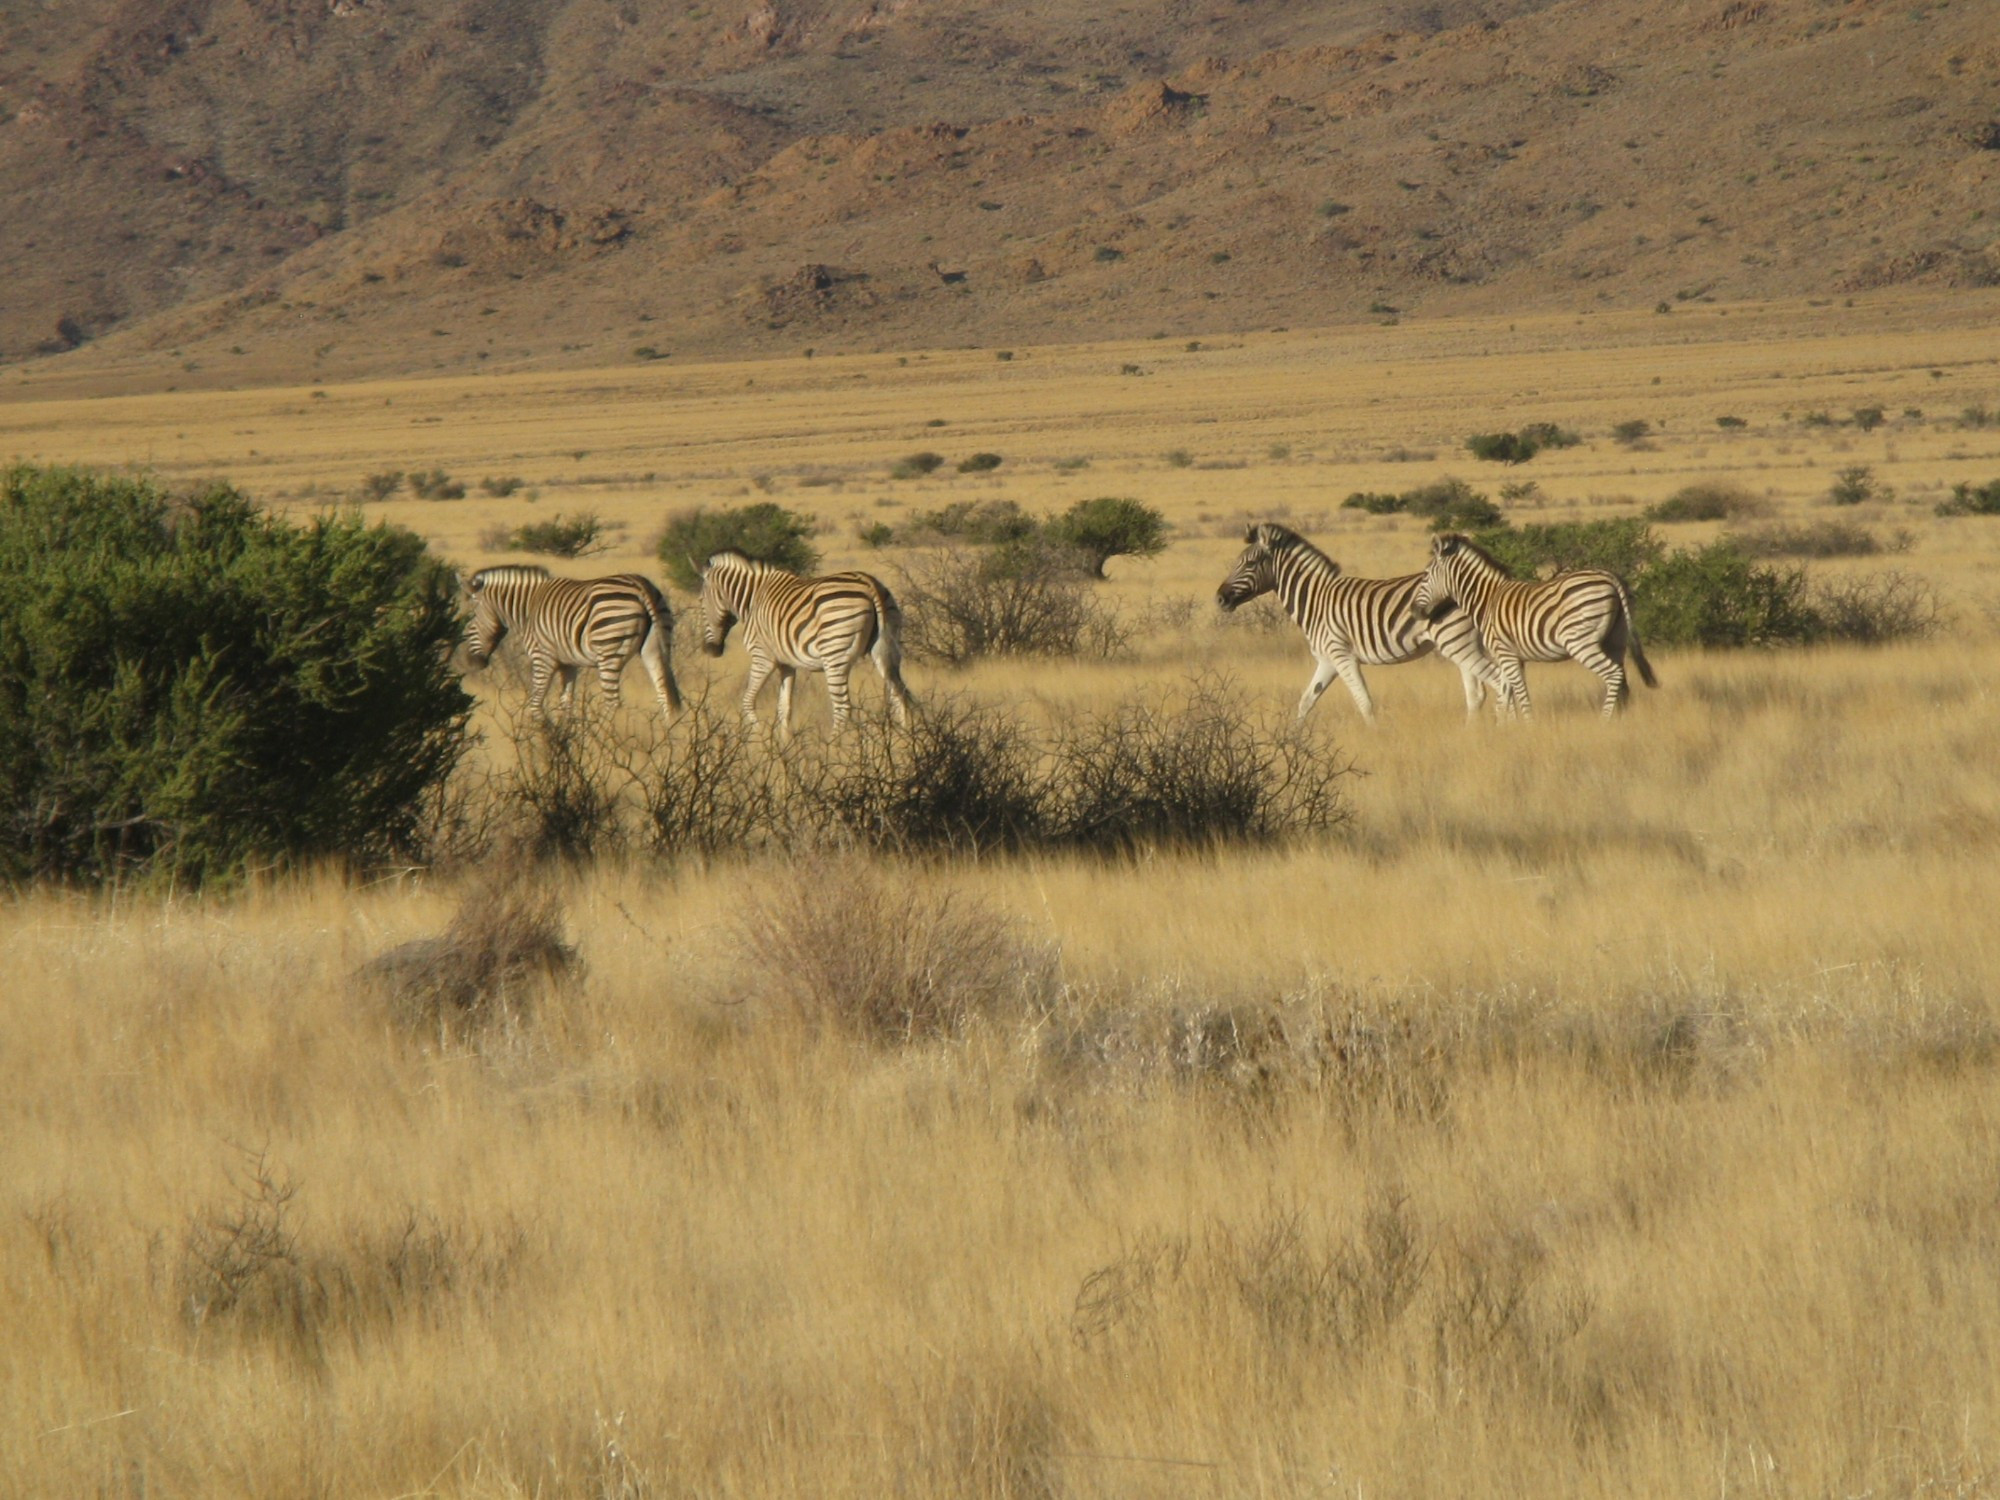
1632	636
663	632
888	651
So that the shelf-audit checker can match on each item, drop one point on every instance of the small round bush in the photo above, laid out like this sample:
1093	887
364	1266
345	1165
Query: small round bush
766	531
1108	527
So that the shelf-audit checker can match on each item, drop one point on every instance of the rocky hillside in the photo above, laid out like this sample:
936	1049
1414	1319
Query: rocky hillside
336	186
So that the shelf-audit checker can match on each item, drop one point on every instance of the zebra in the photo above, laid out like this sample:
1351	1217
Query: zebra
1585	615
1349	622
792	623
567	623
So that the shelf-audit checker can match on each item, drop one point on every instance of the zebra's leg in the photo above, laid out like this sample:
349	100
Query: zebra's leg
891	671
653	656
1608	667
1350	673
836	691
539	668
1514	690
760	668
786	677
1475	690
1322	677
611	673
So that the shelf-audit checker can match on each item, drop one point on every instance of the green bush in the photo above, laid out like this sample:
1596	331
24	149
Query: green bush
1501	447
765	531
1625	547
559	536
988	522
1110	526
191	688
979	463
1969	499
1375	502
1856	485
1452	505
915	465
436	485
1715	596
1826	538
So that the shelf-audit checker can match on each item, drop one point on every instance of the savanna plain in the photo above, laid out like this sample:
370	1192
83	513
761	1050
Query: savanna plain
1598	1109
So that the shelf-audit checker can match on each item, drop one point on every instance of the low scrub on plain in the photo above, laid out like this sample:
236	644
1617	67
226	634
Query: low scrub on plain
1191	767
1026	598
1721	594
559	536
1448	504
1830	537
1969	499
1706	502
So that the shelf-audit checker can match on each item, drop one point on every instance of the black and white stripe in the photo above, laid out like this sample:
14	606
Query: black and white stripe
1351	622
567	623
793	624
1584	615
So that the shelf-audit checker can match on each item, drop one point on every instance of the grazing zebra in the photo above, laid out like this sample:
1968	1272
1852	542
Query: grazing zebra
1349	622
567	623
1586	615
792	623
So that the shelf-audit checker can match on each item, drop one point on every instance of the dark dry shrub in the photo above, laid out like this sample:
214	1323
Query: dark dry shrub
502	950
382	486
1827	538
561	791
703	788
1205	769
1856	485
979	463
435	484
499	488
1374	502
960	776
916	465
1636	430
1452	505
887	956
1026	599
1705	502
1549	435
1969	499
240	1266
1875	609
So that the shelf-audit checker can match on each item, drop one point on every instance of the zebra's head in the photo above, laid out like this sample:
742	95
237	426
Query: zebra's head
1256	571
495	592
721	603
1437	591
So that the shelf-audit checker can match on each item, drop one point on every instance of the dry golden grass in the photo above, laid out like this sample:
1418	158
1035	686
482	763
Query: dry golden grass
1609	1110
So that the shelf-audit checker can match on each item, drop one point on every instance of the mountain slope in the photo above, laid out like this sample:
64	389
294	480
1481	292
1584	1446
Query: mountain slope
336	186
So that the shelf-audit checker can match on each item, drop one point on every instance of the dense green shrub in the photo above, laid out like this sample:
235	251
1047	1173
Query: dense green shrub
191	688
1501	447
1715	596
1625	547
1448	504
766	531
1831	537
1108	527
559	536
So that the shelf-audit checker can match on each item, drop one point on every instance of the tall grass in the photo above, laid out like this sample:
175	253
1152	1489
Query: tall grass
1608	1110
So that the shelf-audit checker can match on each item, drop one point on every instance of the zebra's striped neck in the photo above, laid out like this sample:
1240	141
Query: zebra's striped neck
1300	574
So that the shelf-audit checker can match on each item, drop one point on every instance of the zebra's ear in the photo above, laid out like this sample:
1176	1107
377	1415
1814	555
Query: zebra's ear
1250	533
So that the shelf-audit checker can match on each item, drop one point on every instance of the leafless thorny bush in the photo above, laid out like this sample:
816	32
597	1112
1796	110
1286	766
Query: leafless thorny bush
840	942
1024	599
1192	765
246	1268
1877	608
1457	1308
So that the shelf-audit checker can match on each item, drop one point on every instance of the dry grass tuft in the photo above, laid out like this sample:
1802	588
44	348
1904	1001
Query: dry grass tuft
838	942
503	948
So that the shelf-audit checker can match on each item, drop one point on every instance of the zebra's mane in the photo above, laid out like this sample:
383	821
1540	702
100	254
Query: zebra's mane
1468	544
510	573
1280	538
730	557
